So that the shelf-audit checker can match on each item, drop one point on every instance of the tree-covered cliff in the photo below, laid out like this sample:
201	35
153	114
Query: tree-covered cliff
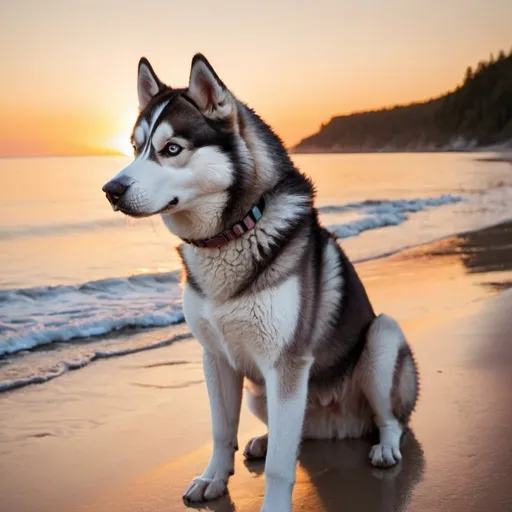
477	113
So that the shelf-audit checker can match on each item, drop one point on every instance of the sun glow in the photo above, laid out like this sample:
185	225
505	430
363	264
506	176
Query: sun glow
120	141
122	144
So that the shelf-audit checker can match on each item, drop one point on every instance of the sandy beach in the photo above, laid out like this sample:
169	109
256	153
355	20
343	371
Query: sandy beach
128	434
136	143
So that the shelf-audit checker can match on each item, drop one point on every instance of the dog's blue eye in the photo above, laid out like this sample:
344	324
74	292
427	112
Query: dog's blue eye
172	149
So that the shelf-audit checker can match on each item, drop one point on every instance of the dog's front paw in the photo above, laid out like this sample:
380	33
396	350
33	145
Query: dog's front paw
204	489
270	508
385	455
281	508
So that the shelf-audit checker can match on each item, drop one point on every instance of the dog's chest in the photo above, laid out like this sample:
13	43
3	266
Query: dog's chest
250	332
221	273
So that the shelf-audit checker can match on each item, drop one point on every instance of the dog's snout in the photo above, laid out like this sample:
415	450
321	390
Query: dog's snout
114	190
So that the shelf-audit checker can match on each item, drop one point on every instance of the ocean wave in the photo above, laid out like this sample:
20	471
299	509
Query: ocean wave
381	213
410	205
60	228
45	374
86	329
31	317
112	285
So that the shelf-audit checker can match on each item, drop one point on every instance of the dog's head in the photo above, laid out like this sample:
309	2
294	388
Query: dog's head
191	160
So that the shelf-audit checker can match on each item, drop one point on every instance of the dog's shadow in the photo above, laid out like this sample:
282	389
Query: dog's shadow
337	475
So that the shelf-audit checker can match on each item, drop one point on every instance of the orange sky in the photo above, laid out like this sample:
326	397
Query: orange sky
68	80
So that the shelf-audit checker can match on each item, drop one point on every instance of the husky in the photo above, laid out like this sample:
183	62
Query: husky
268	292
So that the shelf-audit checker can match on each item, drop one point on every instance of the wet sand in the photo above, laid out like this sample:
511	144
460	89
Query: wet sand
129	434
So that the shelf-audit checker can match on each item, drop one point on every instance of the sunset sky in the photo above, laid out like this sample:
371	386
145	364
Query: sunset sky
68	80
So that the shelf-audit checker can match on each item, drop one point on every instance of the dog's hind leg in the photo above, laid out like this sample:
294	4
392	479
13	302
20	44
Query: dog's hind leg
256	448
225	393
389	381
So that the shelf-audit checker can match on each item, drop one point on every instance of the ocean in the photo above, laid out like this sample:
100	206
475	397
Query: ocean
79	282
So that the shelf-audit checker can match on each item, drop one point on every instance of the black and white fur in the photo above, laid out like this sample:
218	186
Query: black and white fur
281	306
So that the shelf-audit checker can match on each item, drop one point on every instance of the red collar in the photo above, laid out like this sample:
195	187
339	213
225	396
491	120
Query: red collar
235	231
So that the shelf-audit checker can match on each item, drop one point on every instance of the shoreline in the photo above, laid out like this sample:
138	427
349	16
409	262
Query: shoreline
172	333
127	434
506	148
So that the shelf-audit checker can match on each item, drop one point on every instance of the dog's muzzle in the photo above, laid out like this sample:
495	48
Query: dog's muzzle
115	189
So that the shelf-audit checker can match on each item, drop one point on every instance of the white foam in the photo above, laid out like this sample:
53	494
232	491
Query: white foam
382	213
45	374
44	334
39	316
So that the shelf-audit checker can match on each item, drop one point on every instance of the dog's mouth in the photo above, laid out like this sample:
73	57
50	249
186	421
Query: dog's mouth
169	206
137	214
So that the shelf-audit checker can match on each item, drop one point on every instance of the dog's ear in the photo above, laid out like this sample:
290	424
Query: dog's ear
148	84
207	90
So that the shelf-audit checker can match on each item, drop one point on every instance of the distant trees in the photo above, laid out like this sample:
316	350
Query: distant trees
481	108
479	111
469	74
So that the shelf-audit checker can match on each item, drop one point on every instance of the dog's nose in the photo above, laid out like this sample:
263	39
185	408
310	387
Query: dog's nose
114	190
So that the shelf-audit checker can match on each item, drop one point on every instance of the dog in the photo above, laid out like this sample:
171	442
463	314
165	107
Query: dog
268	292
